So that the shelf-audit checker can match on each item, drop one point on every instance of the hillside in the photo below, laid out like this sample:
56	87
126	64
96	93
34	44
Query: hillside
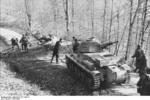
126	22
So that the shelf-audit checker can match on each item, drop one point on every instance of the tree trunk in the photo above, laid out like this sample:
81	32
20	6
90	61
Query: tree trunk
73	15
130	30
118	31
92	17
143	22
111	20
104	17
28	13
67	18
132	20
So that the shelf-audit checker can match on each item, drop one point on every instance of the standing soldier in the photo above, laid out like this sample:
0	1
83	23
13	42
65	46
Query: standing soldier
73	42
24	43
140	60
21	41
14	42
17	43
56	51
75	46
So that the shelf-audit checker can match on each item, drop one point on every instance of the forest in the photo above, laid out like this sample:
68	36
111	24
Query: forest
125	21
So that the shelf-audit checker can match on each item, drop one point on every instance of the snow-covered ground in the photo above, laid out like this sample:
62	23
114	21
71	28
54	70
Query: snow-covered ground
9	34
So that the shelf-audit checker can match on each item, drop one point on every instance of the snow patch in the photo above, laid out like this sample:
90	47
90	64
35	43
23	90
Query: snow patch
9	34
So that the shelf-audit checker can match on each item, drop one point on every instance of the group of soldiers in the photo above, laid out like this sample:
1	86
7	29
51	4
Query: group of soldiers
143	85
23	41
75	45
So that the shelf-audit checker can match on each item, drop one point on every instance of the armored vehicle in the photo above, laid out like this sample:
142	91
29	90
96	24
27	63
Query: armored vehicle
94	66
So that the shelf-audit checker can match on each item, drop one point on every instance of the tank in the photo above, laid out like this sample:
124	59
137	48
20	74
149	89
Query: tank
94	66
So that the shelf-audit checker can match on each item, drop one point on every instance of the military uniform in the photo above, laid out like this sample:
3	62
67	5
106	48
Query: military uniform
14	43
144	85
140	60
24	43
75	46
56	51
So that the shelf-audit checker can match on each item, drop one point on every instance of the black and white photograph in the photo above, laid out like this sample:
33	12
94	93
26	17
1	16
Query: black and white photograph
74	48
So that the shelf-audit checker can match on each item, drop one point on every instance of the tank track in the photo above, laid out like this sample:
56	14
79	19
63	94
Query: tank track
91	78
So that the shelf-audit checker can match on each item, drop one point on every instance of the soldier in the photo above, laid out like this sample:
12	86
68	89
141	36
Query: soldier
75	46
14	42
17	43
24	43
73	42
140	60
143	85
56	51
21	41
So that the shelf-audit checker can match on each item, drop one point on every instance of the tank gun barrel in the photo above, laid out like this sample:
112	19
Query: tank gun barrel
105	45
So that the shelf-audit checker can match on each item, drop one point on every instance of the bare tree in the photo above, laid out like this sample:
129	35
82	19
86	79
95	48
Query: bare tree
67	16
111	20
132	20
118	30
137	30
122	36
148	40
28	13
73	15
92	17
144	22
104	19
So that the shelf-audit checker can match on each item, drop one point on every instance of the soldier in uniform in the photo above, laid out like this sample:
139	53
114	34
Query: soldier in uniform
21	41
73	42
75	46
24	43
14	42
143	85
56	51
17	44
140	60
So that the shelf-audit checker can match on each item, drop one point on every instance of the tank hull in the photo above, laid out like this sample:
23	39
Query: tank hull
77	70
95	79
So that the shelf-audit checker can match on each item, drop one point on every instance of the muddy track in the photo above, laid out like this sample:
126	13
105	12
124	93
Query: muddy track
51	77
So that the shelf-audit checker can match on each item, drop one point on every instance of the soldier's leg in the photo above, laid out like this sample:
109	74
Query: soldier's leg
26	47
12	47
137	67
18	46
142	70
57	56
22	46
53	57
